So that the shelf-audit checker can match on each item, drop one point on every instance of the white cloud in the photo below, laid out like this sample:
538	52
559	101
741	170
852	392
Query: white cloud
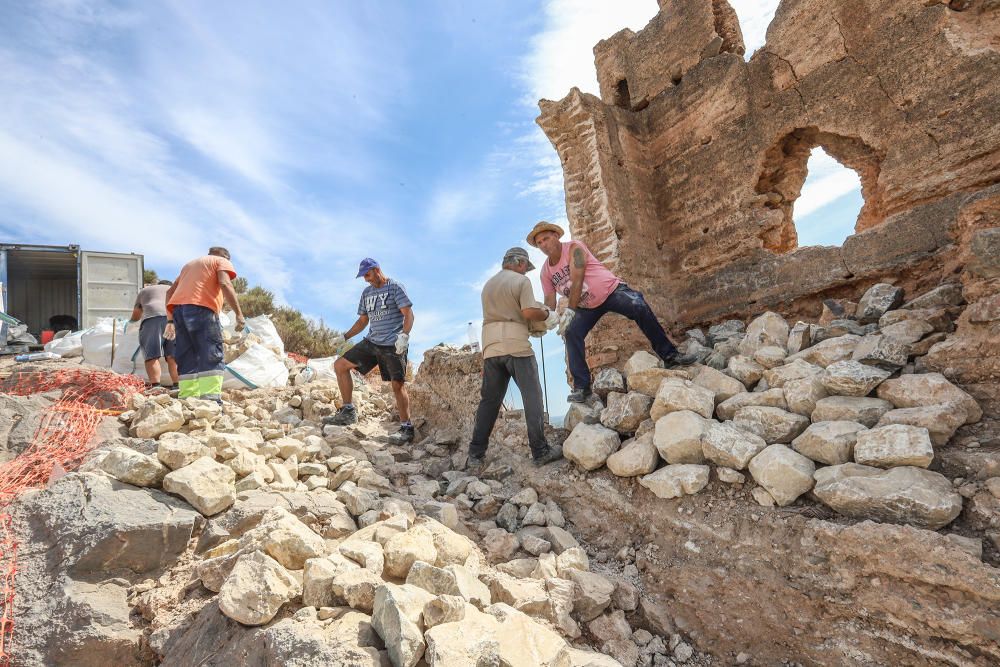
827	180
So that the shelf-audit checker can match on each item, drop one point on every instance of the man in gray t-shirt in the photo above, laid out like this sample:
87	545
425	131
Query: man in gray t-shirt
151	310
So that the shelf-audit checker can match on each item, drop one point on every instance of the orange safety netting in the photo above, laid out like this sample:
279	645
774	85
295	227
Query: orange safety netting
63	439
297	358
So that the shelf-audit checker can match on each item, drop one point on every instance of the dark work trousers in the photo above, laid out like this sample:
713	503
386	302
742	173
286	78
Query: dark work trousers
624	301
497	372
198	351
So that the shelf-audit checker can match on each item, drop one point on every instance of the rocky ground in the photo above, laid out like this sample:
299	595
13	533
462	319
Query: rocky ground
807	494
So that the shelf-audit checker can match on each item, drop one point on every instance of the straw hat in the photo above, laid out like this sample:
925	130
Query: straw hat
543	227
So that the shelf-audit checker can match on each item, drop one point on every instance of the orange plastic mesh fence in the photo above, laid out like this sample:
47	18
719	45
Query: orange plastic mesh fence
297	358
63	438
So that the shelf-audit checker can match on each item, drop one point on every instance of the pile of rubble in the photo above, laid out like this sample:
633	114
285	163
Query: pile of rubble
841	408
249	533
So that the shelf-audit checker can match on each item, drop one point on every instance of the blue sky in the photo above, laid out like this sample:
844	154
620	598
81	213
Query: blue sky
306	136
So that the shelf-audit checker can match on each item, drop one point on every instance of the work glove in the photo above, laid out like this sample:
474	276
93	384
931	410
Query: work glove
240	324
341	346
402	343
537	334
564	320
169	333
552	320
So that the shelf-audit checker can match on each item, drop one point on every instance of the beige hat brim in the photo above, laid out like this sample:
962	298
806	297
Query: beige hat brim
543	227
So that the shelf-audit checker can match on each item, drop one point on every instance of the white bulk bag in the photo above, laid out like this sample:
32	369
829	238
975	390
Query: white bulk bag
257	367
322	368
262	327
96	342
70	345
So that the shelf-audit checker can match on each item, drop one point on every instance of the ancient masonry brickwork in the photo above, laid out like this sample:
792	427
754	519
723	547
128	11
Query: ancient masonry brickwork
683	175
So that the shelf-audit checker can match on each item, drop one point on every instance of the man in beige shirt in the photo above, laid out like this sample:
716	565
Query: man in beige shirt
510	315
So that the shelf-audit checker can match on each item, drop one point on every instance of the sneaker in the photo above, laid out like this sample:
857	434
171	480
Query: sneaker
345	415
551	454
678	359
474	464
579	395
402	436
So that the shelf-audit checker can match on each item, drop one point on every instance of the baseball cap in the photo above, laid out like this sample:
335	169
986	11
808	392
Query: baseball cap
367	264
519	253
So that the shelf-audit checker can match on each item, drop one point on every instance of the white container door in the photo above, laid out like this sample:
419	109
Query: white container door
109	284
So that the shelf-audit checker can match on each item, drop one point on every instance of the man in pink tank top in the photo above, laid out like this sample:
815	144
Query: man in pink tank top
592	290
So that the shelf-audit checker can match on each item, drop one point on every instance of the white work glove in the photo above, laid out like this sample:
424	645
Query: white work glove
402	343
552	320
169	333
564	320
341	346
240	324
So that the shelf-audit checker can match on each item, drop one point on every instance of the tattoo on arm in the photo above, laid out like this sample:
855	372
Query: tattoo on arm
578	259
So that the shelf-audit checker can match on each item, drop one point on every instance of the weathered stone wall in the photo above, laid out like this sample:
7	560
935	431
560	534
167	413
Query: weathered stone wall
683	176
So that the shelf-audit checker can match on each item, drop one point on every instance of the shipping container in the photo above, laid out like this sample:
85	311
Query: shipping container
42	282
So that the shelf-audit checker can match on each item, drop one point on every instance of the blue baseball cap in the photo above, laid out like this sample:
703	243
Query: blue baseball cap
367	264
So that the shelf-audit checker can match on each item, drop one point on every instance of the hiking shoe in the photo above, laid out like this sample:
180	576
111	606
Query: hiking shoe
579	395
551	454
346	415
402	436
678	359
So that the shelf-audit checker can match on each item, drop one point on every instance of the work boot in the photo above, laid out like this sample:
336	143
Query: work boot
678	359
548	456
474	465
346	415
403	436
579	395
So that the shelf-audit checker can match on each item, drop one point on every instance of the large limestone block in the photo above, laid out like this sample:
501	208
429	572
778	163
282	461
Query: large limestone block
772	398
648	381
451	580
590	445
154	419
676	394
852	378
289	541
894	445
745	369
676	480
606	381
830	442
770	356
397	617
801	395
582	413
771	424
878	299
908	331
882	351
356	588
941	421
726	445
404	549
784	473
799	338
718	382
793	370
638	456
641	361
914	391
678	437
898	495
768	329
592	594
829	351
469	642
317	579
127	465
256	588
527	595
949	294
176	450
525	641
208	486
861	409
626	411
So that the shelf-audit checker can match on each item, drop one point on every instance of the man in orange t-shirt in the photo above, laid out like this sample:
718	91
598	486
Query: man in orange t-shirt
193	305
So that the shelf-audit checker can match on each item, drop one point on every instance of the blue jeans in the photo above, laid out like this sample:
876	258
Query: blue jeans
198	351
624	301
